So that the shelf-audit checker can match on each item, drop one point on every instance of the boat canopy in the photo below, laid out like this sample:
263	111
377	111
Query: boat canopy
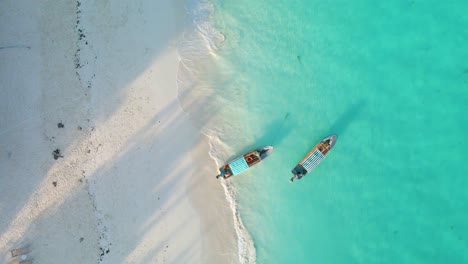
238	165
313	160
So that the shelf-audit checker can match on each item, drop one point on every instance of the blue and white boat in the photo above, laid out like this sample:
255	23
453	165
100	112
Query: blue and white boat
244	162
313	157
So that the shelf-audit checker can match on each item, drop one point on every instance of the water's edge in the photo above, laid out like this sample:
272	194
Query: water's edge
196	51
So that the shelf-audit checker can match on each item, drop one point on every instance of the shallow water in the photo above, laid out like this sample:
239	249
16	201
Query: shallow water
390	79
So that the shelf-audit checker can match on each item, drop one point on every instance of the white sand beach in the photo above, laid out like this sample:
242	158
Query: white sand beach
98	161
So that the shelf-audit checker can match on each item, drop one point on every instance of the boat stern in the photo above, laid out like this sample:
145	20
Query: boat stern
298	172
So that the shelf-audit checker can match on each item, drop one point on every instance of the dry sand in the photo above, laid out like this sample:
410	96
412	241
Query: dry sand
94	82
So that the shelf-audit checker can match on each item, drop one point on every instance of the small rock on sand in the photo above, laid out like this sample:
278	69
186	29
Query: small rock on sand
56	153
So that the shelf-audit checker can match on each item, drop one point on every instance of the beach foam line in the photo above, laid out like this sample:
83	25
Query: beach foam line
246	248
200	43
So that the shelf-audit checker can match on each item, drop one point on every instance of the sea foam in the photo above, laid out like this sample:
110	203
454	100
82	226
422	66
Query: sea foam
196	84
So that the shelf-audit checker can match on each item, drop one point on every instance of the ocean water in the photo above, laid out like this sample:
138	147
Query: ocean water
390	78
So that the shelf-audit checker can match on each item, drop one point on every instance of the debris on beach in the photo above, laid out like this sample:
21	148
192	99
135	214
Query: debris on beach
19	253
81	239
83	179
54	183
103	252
60	125
56	153
16	47
79	128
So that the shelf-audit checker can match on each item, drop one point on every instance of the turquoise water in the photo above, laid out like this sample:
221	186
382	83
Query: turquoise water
390	78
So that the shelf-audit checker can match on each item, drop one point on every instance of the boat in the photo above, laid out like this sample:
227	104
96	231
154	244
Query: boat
244	162
313	157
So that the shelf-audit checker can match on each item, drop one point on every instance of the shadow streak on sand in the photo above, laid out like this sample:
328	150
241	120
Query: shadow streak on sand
140	208
134	61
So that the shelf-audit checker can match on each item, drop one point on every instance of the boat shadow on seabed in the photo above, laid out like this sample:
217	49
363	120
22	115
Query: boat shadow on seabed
318	152
274	132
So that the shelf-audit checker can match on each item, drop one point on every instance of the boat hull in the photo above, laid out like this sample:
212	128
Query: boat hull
244	162
313	157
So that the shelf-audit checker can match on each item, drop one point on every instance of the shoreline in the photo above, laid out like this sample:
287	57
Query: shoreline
198	54
126	185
